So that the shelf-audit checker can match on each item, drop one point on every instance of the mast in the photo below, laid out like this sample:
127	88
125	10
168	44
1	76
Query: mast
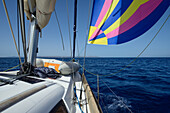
29	60
33	45
22	23
34	35
74	28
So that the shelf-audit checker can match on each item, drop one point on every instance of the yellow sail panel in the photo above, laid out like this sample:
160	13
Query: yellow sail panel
101	41
120	21
91	31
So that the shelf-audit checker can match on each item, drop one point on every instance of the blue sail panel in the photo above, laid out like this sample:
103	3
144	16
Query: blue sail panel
119	21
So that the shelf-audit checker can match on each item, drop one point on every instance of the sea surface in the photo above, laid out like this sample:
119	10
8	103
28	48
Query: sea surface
142	87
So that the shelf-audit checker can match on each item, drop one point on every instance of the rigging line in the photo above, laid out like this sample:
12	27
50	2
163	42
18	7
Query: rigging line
6	11
135	58
59	29
86	35
18	30
104	105
81	50
98	88
85	49
22	24
12	68
100	98
118	97
69	28
77	99
78	53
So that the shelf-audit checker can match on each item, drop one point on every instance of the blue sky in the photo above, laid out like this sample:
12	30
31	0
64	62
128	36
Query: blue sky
50	43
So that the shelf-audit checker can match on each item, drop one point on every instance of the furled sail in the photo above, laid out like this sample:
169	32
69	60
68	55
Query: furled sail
43	9
119	21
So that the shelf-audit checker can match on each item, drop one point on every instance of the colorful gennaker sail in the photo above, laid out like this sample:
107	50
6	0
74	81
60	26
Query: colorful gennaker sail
119	21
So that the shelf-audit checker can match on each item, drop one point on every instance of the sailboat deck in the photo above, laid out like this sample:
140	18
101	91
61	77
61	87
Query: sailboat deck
72	104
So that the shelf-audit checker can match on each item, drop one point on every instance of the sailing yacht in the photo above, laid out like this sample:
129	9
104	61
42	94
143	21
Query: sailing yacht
44	85
54	86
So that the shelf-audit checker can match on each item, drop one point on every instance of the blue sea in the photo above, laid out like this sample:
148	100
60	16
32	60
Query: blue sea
143	87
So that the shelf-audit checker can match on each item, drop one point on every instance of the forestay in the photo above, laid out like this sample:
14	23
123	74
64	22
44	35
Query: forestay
119	21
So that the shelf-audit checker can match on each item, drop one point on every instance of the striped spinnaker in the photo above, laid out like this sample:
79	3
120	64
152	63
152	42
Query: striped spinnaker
119	21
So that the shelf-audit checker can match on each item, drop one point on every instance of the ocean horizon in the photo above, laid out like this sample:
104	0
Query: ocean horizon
143	87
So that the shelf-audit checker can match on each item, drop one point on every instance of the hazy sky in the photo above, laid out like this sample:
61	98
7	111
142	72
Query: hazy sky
50	43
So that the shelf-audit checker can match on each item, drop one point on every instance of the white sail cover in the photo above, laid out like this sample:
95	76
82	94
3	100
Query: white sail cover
43	8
